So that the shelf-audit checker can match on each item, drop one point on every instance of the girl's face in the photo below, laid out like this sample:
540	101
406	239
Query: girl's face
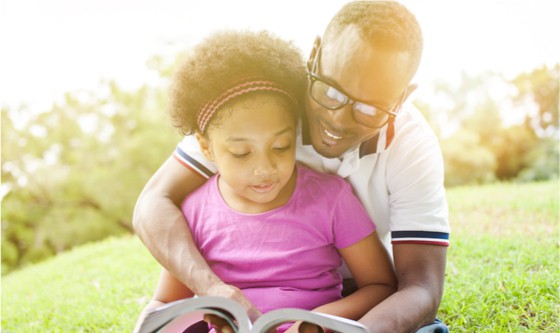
253	146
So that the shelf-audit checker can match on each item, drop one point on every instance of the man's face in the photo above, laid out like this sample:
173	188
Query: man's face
368	74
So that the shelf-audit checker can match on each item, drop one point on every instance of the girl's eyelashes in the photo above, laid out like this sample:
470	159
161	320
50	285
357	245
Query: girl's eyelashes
239	155
244	153
283	148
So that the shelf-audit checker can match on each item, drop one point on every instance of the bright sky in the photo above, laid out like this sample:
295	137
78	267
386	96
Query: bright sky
56	46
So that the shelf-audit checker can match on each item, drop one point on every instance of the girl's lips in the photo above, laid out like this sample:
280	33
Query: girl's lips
264	188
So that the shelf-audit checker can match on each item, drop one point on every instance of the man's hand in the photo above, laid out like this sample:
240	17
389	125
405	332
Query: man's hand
234	293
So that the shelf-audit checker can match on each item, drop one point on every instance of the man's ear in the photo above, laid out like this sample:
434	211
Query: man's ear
204	144
316	46
409	90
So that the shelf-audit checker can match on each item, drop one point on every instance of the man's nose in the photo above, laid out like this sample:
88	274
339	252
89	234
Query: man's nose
343	117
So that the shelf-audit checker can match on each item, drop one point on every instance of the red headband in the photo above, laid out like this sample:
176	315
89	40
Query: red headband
208	110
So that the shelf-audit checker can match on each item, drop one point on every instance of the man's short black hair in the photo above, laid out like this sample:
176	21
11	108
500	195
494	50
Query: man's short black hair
386	24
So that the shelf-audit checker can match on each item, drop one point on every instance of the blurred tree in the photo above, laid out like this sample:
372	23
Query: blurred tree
467	118
456	102
469	115
72	175
512	148
543	161
541	86
467	161
509	145
485	120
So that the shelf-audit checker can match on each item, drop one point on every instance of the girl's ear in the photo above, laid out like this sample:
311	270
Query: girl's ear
204	144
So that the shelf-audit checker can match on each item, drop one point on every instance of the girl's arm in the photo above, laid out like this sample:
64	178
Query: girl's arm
373	272
170	289
371	267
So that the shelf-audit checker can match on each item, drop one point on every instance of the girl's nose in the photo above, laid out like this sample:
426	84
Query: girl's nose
264	167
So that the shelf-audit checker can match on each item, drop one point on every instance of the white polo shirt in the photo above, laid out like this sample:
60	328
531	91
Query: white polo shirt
397	175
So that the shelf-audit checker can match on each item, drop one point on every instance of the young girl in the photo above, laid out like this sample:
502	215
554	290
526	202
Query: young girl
275	229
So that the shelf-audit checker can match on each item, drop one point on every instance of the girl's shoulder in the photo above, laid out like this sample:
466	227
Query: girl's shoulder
318	181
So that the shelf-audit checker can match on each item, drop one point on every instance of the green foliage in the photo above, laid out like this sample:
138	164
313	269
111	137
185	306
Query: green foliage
541	86
478	145
73	173
543	161
502	272
512	147
466	160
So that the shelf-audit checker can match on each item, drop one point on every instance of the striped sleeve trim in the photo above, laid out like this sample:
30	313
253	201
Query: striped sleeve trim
420	237
192	164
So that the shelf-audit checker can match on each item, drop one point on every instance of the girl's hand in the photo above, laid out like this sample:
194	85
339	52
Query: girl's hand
305	327
219	324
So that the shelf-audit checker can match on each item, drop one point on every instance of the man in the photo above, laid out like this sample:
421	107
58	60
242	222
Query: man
355	125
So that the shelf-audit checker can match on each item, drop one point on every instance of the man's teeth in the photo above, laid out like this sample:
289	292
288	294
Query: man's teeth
332	136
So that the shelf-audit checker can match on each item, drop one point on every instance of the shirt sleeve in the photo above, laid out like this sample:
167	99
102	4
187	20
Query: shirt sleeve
351	221
419	213
188	154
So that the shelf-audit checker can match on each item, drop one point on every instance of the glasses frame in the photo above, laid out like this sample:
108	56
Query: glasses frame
350	100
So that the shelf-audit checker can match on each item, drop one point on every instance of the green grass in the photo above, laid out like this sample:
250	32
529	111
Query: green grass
503	262
101	287
502	274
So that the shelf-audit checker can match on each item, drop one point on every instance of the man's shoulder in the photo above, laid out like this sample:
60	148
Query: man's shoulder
188	153
414	138
411	122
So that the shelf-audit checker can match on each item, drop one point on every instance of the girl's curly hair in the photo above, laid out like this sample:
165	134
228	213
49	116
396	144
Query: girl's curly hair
225	58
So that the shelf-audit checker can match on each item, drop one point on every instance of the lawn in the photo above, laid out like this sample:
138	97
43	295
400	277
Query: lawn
503	263
502	273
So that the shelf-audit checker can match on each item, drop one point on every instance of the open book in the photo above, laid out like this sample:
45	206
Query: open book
185	316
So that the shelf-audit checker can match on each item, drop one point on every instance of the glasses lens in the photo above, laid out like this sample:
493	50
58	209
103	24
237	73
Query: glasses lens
367	110
327	95
369	115
333	99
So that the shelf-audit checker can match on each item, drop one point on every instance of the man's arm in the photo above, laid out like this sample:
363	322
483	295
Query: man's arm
169	289
420	271
160	224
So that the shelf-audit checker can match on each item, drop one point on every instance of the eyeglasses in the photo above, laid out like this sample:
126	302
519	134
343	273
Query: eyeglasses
332	97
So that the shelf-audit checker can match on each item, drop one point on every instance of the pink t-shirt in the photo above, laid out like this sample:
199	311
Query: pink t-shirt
286	257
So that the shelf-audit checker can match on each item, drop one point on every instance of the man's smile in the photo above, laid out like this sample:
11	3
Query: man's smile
332	136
